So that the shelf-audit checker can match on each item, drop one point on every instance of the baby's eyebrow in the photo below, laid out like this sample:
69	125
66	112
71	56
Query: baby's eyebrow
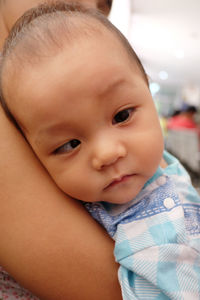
111	86
53	130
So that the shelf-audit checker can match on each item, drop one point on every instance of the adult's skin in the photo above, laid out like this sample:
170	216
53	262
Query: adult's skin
49	243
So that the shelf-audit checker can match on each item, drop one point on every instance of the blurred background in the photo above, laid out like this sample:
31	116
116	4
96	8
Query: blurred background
166	36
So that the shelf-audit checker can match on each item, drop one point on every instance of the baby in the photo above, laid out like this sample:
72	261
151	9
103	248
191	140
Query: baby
80	97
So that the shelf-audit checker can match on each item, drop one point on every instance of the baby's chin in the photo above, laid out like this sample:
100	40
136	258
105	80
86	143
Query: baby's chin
123	199
119	192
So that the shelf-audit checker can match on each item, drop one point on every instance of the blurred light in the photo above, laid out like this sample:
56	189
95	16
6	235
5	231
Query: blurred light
163	75
179	54
154	88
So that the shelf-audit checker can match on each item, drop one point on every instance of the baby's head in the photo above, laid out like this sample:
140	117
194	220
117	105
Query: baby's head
80	96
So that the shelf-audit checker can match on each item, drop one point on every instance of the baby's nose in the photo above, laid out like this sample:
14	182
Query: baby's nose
108	154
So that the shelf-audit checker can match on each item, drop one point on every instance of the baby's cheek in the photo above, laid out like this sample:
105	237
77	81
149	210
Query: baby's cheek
69	183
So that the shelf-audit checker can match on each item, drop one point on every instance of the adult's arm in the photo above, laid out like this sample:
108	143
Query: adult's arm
49	243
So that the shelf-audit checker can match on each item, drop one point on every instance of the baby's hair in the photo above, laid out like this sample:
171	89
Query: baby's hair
40	32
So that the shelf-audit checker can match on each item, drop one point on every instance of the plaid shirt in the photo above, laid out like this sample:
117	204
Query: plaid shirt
157	237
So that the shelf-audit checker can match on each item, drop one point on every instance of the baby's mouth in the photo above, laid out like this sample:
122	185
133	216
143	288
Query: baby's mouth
119	180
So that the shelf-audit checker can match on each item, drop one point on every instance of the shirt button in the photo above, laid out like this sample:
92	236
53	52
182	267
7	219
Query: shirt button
169	203
161	180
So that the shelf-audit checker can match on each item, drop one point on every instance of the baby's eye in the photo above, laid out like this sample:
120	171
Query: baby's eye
67	147
122	115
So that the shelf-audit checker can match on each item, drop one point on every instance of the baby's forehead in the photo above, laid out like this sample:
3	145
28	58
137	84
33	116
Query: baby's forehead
39	91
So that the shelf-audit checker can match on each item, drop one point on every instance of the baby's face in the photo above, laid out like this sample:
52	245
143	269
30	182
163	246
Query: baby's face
89	116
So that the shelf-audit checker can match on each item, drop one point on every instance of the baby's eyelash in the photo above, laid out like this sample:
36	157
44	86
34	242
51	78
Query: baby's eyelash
123	115
67	147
